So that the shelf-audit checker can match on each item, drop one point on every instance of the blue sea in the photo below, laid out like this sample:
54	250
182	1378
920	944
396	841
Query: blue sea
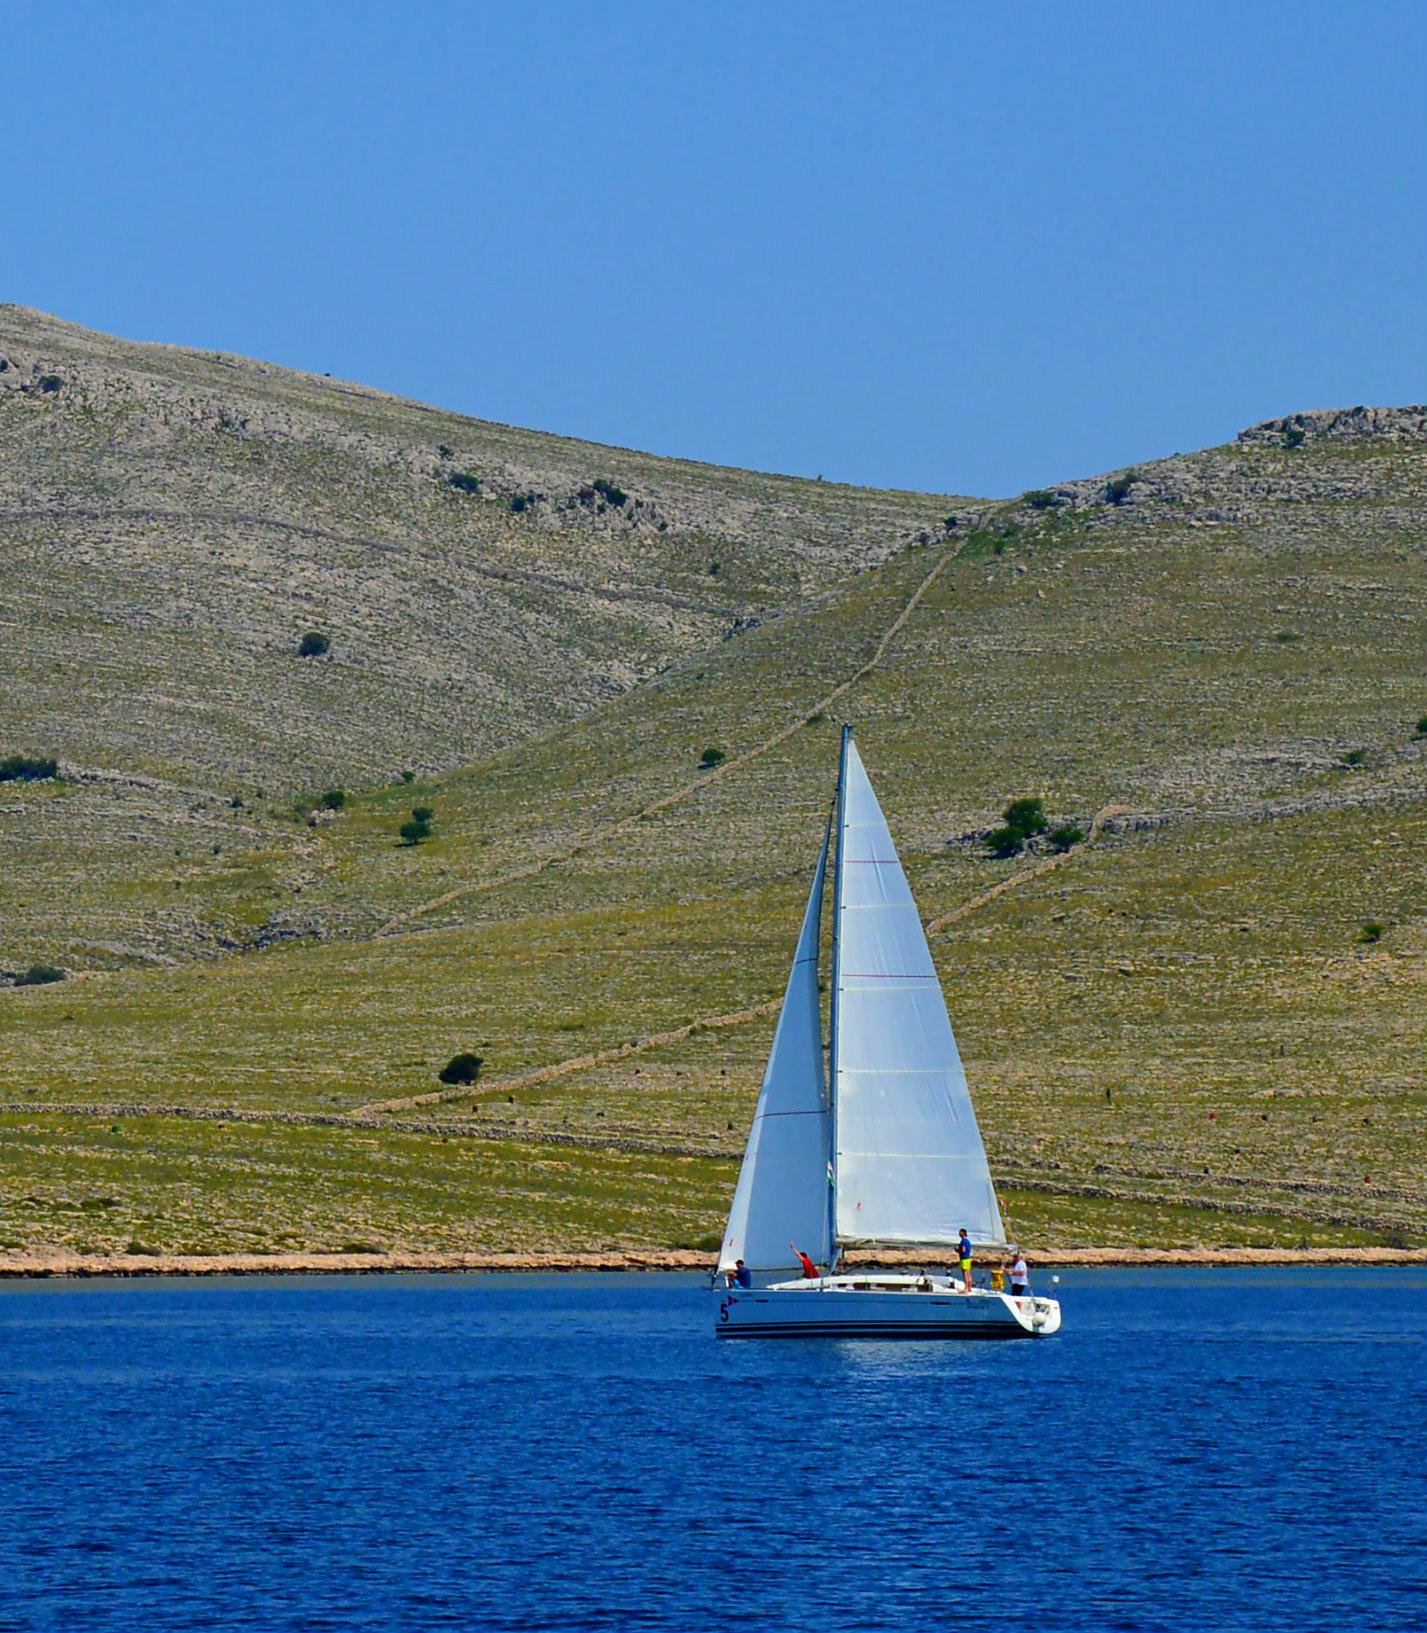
1198	1450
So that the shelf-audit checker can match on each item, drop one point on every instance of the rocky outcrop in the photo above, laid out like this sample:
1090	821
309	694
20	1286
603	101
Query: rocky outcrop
1343	425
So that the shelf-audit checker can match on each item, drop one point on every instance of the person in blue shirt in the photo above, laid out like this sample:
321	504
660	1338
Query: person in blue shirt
739	1276
963	1251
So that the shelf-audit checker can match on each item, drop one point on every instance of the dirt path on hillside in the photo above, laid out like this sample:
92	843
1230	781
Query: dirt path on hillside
578	1063
709	1023
599	836
937	925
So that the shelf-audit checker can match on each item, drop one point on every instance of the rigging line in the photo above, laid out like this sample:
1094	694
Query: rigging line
396	924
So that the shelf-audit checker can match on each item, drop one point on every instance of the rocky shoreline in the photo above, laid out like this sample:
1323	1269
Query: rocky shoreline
80	1265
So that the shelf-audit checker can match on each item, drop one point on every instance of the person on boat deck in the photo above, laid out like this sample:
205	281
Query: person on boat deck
739	1276
1020	1276
810	1270
963	1251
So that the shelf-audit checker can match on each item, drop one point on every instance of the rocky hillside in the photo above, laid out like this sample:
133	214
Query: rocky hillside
174	522
1203	1023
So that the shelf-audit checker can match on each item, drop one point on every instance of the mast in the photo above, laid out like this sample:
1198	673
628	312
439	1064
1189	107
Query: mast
835	1247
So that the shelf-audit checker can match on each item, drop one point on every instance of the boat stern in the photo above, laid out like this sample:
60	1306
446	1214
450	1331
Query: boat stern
1039	1316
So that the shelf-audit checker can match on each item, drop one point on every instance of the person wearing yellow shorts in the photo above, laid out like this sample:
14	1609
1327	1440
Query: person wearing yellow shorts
963	1249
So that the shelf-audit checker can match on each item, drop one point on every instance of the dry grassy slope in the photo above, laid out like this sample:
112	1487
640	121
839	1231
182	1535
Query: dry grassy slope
1233	652
173	521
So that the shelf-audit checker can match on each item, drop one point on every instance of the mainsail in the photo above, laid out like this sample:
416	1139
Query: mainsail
782	1194
909	1166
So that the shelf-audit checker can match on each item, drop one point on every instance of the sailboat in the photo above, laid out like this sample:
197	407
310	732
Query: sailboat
883	1150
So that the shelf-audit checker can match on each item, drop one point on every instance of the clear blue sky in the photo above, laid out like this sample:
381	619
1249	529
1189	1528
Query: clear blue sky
955	246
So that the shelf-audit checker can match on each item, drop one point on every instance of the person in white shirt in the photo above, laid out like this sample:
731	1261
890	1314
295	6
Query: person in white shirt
1020	1276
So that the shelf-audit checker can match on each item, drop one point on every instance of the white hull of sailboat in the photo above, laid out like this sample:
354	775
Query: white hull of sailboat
880	1307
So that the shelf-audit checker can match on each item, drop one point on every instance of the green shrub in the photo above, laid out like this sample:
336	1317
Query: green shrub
1026	815
1293	437
464	482
1004	842
423	813
39	975
609	492
1062	839
1372	932
712	757
1040	499
1422	726
1023	818
414	832
464	1068
1354	757
333	800
1117	489
23	768
713	568
313	645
